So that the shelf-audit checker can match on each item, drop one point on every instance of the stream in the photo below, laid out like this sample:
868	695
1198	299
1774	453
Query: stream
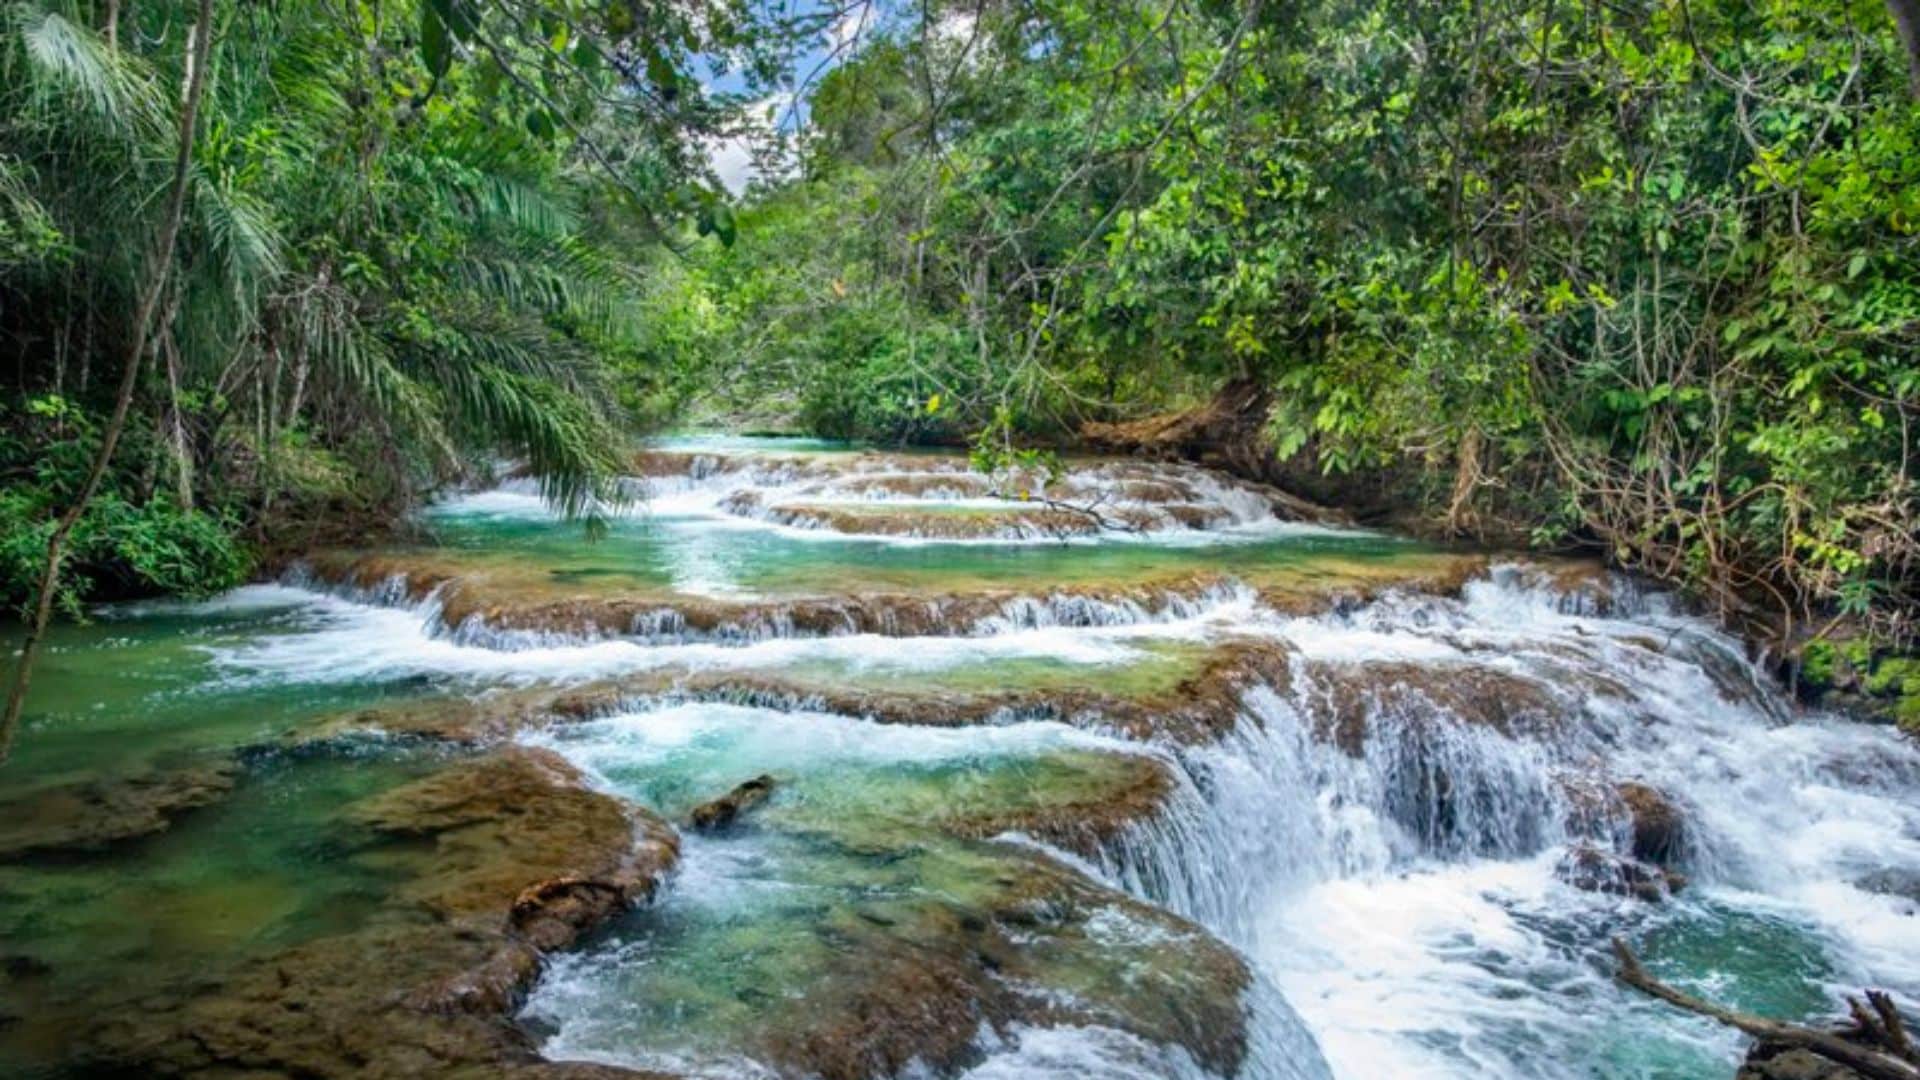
1187	790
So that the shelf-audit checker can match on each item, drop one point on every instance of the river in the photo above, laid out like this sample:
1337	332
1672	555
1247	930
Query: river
1178	789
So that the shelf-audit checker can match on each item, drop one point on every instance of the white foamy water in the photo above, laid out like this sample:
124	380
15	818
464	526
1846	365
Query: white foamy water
1163	504
1405	897
1382	836
343	640
715	742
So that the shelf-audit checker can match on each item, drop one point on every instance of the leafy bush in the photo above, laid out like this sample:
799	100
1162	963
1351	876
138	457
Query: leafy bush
122	547
119	551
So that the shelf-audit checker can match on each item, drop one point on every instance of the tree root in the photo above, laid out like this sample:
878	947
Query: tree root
1876	1046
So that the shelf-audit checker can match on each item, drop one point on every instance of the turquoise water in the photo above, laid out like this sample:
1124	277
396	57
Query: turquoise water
701	555
887	846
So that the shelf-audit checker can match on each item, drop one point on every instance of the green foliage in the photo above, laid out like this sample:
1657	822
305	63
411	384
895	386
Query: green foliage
1644	276
780	331
1819	662
121	547
410	245
120	551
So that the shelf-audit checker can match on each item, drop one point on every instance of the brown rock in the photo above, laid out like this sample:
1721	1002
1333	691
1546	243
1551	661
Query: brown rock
721	813
510	857
1427	693
1085	822
918	984
1593	870
91	815
477	600
1659	828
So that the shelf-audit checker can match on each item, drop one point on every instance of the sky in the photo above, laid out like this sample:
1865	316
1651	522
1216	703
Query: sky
785	109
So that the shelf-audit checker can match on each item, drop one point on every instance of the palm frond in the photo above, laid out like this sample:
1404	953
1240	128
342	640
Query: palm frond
66	66
567	446
241	234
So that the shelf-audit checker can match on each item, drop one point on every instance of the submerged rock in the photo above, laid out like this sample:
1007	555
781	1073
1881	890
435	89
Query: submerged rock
1593	870
1892	881
1012	522
88	816
721	813
1122	791
502	859
917	984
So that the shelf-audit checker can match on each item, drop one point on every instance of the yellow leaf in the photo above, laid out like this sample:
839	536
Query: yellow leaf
933	404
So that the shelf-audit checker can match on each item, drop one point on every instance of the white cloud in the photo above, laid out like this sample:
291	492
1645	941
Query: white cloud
853	22
732	157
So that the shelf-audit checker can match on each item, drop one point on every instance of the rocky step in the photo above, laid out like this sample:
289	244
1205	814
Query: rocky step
500	859
507	607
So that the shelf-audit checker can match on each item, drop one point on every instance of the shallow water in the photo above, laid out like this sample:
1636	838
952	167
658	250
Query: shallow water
692	548
1378	835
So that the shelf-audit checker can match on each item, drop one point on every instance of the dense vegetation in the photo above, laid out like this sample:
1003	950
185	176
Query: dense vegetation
401	247
267	269
1643	276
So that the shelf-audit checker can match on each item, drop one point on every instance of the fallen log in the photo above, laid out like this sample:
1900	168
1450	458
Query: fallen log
1877	1048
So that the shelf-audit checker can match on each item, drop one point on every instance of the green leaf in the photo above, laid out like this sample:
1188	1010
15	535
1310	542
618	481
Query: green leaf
436	42
455	17
660	71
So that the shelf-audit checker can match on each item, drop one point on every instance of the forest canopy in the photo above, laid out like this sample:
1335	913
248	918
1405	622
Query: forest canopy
1638	277
1641	277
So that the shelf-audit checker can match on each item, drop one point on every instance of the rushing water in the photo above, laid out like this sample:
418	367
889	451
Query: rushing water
1381	829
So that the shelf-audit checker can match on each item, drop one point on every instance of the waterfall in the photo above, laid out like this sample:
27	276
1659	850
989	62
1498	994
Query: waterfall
1406	885
1420	826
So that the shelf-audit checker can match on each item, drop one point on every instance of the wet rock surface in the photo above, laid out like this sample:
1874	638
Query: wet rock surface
721	813
1892	882
1124	791
90	816
1199	706
1769	1062
1594	870
487	603
1361	699
498	860
1658	828
919	983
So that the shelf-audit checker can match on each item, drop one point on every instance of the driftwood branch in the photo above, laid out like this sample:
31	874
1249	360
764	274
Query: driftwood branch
1090	511
1883	1026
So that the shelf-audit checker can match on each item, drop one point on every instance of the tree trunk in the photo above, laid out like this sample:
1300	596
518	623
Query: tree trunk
198	48
1466	480
182	453
1906	19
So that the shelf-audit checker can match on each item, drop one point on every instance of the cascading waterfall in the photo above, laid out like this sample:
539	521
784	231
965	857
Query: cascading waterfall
1408	894
1415	818
1387	833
